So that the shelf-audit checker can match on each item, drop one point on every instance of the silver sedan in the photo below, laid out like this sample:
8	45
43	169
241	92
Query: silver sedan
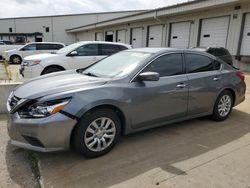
89	109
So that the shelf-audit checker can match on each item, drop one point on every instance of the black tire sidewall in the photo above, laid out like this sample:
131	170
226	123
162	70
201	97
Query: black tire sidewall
78	139
216	115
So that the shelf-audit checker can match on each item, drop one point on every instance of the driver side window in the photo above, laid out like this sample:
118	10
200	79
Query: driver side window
166	65
87	50
29	47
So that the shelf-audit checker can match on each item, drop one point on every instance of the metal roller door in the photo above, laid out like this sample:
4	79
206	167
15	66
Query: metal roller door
155	36
180	35
136	39
121	36
214	32
99	36
245	45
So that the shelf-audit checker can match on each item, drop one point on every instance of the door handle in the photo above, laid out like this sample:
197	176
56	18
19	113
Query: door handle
181	85
216	78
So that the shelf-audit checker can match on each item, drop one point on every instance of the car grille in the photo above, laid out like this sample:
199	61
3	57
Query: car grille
13	101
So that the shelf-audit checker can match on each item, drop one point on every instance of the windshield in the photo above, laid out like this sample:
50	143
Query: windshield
118	65
68	48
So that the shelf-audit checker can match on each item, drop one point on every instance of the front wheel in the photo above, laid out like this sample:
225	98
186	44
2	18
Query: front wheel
15	59
97	133
223	106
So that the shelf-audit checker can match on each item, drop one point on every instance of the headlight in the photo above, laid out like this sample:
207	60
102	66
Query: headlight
35	62
30	63
43	109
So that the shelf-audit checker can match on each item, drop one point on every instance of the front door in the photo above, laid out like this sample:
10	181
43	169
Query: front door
28	50
160	101
86	55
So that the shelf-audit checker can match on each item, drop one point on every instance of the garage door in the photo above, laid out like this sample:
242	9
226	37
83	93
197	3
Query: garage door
180	35
121	36
214	32
155	36
137	37
99	36
245	45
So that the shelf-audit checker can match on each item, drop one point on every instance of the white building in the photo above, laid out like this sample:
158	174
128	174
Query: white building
51	28
223	23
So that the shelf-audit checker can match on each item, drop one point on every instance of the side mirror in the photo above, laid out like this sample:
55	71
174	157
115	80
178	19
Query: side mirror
73	53
149	76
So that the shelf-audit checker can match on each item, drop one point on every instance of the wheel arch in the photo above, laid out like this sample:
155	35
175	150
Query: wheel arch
52	66
116	109
18	55
231	90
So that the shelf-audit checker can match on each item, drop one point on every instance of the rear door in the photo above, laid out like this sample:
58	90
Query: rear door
159	101
204	81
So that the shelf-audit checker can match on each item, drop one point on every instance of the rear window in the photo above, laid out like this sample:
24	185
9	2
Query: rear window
110	49
49	46
198	63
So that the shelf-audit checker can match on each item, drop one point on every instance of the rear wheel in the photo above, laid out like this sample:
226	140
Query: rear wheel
15	59
97	133
223	106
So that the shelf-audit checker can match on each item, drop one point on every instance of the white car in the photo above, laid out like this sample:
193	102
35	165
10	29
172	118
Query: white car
16	56
74	56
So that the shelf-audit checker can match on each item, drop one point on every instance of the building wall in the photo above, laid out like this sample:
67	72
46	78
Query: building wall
234	31
57	24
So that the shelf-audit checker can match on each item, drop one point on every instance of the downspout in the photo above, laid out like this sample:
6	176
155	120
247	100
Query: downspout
156	18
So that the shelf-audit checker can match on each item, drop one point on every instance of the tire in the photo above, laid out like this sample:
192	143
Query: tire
15	59
223	106
51	70
88	134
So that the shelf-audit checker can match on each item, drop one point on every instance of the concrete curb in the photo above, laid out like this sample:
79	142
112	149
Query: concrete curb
5	89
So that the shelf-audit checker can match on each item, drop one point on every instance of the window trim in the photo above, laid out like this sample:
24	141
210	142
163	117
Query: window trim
166	53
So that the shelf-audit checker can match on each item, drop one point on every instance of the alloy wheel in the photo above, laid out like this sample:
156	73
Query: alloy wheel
100	134
224	105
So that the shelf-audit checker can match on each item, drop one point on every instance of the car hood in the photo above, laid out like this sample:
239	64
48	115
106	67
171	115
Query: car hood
57	83
40	57
10	51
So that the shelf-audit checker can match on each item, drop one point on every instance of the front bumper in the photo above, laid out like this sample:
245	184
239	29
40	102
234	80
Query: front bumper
44	135
31	71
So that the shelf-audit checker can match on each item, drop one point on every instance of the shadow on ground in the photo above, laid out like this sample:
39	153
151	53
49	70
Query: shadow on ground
142	152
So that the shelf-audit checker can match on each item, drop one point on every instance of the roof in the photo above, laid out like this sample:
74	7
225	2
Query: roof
89	13
189	6
153	50
102	42
46	43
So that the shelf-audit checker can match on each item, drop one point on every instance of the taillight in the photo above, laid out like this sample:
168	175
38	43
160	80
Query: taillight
241	75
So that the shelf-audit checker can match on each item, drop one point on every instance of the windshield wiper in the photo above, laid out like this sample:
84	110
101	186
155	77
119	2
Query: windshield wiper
90	74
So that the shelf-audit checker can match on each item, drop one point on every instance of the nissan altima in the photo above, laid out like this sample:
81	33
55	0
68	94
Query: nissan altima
89	109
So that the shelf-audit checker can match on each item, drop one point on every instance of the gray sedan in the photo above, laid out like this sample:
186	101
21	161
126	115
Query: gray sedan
133	90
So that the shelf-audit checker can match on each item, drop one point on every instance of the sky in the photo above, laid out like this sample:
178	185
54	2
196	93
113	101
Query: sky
23	8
